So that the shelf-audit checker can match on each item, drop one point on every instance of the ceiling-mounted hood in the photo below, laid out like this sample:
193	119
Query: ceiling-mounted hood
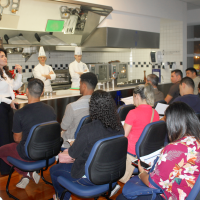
122	38
88	19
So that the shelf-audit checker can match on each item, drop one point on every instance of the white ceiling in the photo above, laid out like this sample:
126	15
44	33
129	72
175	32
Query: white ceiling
192	4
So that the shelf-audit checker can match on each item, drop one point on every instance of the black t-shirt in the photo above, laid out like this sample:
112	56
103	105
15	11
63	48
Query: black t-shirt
27	117
87	137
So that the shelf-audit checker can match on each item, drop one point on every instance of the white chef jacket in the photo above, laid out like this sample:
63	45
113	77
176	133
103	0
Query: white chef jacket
7	86
40	70
76	67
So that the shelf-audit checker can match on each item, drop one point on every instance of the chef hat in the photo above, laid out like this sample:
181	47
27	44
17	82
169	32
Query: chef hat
78	51
41	52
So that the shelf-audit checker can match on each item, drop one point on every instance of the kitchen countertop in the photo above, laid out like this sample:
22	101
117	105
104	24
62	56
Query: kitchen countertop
69	93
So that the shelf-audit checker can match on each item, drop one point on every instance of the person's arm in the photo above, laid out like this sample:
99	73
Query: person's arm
72	72
37	74
143	175
85	68
67	118
17	83
17	129
79	144
52	74
127	129
168	98
17	137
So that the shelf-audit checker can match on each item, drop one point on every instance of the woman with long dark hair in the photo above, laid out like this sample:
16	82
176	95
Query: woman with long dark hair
105	123
178	166
7	85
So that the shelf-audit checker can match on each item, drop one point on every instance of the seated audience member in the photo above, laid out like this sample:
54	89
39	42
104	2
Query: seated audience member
192	73
77	110
105	123
186	87
136	120
34	113
178	166
153	80
176	76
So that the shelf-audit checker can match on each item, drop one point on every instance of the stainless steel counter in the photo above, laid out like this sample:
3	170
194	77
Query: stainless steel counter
64	97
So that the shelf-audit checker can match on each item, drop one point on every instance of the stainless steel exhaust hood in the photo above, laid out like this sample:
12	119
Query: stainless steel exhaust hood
88	20
122	38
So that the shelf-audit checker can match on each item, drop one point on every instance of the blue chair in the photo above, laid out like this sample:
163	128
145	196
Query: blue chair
153	138
124	110
85	120
42	145
106	164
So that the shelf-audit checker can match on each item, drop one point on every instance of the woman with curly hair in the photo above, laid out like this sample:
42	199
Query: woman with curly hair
7	85
105	123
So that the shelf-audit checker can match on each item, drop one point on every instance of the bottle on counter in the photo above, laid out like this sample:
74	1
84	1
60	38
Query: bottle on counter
145	78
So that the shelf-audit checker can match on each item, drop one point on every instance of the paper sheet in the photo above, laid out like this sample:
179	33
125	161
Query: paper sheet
127	100
160	108
151	157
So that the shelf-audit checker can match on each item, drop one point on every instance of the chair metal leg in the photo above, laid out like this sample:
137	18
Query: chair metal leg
47	182
63	194
8	182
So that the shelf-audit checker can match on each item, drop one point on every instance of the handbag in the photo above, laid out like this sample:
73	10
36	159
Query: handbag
64	157
135	187
129	167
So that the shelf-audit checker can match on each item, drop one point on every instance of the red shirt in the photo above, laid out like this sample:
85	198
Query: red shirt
138	118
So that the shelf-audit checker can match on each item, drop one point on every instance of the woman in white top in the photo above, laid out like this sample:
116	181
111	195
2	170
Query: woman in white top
7	85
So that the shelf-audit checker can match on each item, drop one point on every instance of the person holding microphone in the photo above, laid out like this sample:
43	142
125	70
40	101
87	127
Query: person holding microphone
7	85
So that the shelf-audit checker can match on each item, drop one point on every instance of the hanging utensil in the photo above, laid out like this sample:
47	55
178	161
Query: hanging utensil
3	4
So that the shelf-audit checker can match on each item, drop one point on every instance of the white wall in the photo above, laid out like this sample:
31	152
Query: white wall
193	17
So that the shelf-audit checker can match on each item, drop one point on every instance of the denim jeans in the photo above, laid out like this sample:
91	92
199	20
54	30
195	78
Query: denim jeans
64	170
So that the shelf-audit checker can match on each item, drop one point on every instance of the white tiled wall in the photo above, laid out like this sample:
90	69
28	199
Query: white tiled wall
171	33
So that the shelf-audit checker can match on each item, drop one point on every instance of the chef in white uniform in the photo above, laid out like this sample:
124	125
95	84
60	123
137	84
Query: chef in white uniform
44	72
77	68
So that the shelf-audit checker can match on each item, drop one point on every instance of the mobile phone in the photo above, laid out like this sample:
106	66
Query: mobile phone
143	164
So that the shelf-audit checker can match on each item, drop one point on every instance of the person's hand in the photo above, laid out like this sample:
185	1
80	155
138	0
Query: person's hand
79	73
18	68
140	168
163	119
71	143
12	105
51	72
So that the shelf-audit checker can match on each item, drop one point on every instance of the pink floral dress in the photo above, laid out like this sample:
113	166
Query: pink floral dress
178	168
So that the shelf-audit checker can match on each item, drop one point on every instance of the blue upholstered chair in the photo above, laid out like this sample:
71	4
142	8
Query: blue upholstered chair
105	166
42	145
123	111
153	138
85	120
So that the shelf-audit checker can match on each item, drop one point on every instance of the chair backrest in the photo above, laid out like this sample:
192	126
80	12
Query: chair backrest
161	101
195	192
44	141
107	160
123	111
152	138
85	120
